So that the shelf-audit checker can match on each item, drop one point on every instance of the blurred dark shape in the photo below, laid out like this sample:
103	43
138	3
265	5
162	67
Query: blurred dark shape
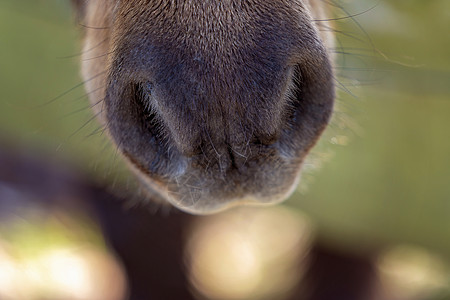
26	177
338	275
151	245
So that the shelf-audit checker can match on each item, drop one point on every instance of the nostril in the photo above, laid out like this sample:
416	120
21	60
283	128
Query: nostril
138	127
296	99
151	120
147	115
311	98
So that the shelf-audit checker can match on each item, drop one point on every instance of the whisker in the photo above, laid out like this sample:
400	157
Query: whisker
99	56
349	35
68	91
82	109
92	27
353	18
98	130
349	16
86	123
342	87
353	54
114	161
82	52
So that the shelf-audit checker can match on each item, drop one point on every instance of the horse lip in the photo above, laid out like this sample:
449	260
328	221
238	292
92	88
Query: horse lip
224	205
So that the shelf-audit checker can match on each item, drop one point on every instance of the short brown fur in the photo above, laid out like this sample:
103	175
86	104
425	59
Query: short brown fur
212	103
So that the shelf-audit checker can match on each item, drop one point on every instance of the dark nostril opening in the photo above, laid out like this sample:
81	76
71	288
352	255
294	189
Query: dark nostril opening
147	116
149	119
139	130
296	99
311	98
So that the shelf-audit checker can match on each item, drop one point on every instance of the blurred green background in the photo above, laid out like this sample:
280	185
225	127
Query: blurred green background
387	179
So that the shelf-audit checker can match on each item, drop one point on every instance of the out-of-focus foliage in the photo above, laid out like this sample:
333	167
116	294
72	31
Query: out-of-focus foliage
390	182
43	103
